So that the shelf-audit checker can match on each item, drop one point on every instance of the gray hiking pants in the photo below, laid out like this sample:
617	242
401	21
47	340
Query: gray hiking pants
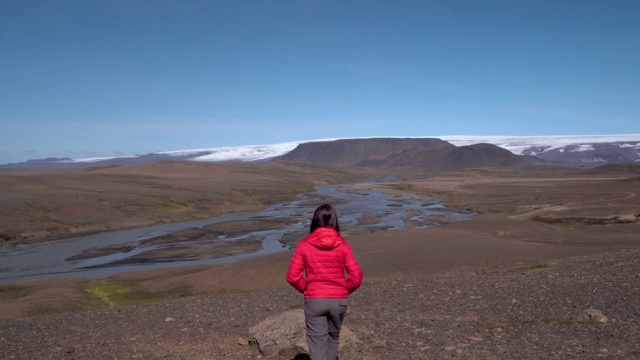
324	320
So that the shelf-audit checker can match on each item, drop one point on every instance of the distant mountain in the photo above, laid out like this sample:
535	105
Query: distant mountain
387	152
591	153
223	154
481	156
594	150
66	163
41	162
374	152
405	153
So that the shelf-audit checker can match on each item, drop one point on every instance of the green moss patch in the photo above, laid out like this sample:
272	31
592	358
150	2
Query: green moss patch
567	321
169	206
12	292
107	292
546	267
112	293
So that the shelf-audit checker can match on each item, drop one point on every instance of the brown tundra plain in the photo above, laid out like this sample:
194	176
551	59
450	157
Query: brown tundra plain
548	267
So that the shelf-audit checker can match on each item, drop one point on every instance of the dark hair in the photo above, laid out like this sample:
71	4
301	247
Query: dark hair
325	216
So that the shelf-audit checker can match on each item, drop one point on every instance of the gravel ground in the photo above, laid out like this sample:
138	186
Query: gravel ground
536	311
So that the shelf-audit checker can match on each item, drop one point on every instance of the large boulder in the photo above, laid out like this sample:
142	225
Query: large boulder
287	331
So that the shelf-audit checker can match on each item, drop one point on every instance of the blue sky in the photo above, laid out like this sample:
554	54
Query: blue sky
122	77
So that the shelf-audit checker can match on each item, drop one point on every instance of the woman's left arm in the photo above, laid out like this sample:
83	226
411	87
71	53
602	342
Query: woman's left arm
354	272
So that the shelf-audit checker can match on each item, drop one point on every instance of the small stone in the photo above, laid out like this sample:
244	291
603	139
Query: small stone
592	314
169	319
382	344
475	338
243	342
450	348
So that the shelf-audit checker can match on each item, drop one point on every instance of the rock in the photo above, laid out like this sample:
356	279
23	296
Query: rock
381	344
592	314
169	319
286	331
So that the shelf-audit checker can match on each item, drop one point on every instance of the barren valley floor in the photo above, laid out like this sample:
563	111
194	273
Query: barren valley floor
513	282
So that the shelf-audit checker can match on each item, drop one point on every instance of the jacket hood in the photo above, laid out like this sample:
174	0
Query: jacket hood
325	238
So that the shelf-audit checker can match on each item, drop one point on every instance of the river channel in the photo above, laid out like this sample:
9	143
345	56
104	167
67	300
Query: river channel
226	238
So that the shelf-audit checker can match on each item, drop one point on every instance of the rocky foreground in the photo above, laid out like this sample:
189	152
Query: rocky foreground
581	307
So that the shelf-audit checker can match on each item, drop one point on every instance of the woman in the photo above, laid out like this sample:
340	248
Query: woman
324	256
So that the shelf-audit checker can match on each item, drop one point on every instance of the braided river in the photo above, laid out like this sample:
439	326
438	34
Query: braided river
200	242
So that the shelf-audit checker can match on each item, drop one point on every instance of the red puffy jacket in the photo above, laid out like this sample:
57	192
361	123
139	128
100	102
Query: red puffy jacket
324	255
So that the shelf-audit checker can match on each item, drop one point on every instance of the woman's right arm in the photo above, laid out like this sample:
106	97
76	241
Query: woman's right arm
296	270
